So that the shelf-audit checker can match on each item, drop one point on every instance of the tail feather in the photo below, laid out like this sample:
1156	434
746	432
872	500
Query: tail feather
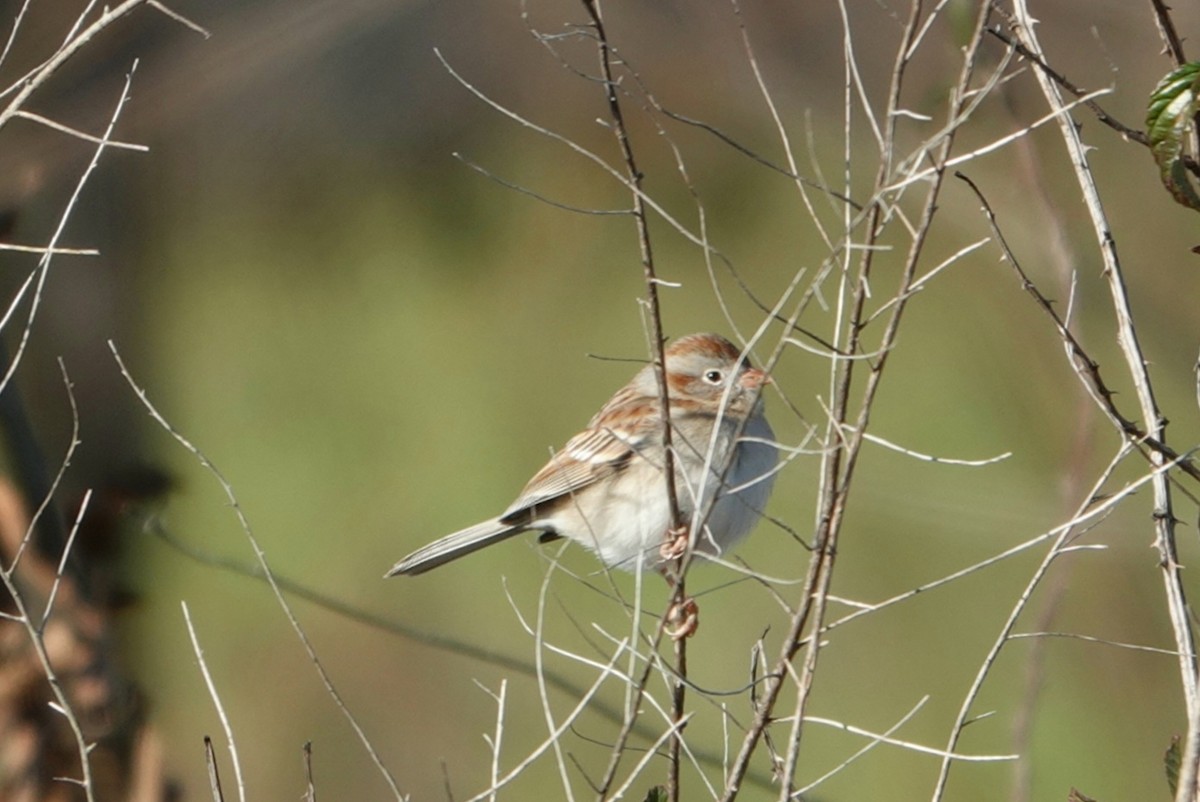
453	546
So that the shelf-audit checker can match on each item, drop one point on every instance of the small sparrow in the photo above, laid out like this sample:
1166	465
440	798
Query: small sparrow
606	488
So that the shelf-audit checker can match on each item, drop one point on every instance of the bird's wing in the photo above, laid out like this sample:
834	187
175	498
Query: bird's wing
612	439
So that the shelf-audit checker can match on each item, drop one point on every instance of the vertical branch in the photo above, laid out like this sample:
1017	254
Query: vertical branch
840	462
634	177
1155	423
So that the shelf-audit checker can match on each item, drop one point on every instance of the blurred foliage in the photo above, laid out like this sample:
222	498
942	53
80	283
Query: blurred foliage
377	345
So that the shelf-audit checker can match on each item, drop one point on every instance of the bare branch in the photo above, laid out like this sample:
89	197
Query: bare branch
216	700
1136	364
261	557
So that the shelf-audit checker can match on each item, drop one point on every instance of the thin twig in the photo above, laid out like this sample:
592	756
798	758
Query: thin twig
44	264
839	463
16	26
1136	647
556	735
433	640
800	792
61	702
486	173
633	177
914	747
214	774
970	463
310	788
267	574
672	732
42	251
497	737
1087	368
66	129
1166	28
1094	511
216	700
1132	134
764	161
62	562
181	19
544	698
76	40
1064	536
45	507
1136	363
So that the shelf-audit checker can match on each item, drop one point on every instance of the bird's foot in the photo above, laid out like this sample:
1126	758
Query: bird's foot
676	543
684	617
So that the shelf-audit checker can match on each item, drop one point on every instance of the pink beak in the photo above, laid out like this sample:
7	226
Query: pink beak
753	378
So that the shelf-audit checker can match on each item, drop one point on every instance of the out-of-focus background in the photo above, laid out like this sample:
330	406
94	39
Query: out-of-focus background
377	345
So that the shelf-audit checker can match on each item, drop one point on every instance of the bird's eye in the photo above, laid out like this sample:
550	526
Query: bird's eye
713	376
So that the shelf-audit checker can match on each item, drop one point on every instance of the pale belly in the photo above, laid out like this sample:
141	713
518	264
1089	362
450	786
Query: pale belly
629	514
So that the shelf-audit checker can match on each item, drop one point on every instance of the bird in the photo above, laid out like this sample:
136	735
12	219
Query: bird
606	488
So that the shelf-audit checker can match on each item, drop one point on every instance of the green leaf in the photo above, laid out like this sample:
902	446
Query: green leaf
1075	796
656	794
1169	119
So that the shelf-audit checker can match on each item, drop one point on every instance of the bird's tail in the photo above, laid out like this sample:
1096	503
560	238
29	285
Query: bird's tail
453	546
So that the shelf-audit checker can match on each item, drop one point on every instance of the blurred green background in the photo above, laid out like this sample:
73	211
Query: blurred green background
376	345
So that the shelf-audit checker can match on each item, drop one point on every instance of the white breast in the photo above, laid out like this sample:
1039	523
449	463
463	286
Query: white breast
627	514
